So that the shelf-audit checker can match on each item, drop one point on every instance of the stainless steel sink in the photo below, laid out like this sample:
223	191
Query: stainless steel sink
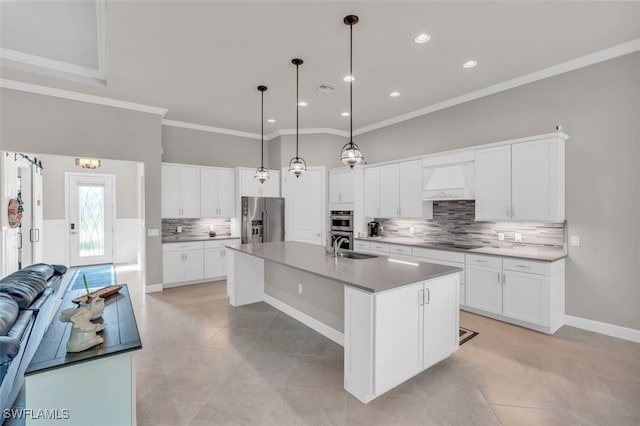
354	255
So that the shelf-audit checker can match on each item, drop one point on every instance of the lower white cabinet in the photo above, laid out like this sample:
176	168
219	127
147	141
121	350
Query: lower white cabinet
398	333
523	292
444	257
193	262
182	262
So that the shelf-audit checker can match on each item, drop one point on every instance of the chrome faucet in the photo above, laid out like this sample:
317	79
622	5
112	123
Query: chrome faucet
337	243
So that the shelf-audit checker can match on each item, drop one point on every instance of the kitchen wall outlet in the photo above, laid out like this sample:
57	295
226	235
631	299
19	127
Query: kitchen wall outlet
518	237
178	228
153	232
211	228
300	288
500	236
575	241
411	229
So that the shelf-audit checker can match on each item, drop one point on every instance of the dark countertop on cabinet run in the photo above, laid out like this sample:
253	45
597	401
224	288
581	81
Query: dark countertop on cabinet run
197	239
120	335
520	252
374	275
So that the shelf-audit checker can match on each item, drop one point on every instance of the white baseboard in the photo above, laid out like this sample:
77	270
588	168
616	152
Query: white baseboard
612	330
153	288
310	322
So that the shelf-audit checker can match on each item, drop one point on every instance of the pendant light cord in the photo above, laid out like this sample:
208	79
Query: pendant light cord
351	82
262	131
297	107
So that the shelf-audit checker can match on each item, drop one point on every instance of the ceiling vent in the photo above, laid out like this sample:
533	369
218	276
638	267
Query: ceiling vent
326	87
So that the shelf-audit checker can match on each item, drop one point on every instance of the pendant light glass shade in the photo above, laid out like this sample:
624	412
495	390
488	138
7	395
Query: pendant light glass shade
351	155
297	165
262	173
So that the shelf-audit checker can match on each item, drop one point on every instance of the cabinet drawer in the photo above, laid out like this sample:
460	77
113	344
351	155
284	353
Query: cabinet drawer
379	248
487	261
403	250
220	243
195	245
361	245
449	256
529	266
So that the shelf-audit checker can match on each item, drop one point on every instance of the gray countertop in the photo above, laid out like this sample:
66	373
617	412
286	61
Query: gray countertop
196	239
373	275
520	252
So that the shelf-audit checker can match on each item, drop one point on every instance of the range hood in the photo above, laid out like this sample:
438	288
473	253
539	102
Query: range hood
449	177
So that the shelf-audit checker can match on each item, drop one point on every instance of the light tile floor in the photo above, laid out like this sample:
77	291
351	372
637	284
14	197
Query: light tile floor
206	363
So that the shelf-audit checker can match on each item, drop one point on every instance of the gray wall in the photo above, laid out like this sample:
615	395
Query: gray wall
55	166
187	146
48	125
316	150
598	107
275	153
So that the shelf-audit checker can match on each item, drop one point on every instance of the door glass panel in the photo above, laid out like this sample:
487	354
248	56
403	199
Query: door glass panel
91	218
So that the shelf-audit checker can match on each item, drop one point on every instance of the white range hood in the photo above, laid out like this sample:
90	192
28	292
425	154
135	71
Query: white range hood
449	177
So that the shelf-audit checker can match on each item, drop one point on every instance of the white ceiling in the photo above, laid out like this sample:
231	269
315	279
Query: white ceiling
203	60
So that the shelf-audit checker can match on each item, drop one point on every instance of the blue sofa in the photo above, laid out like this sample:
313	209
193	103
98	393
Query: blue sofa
28	299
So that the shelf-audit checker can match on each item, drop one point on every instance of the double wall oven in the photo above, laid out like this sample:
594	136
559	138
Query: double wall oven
341	224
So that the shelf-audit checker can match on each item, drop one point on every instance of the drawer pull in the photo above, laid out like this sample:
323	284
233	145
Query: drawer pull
481	261
524	266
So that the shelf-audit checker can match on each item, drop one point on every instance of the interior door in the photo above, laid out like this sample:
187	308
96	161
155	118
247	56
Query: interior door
304	206
90	218
38	217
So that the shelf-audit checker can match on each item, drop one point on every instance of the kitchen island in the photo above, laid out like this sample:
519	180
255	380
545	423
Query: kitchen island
394	318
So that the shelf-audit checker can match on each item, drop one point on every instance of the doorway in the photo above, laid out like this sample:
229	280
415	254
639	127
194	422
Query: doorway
304	205
90	217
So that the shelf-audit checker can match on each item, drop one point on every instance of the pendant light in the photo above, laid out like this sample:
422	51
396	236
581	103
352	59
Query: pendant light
351	155
297	166
262	174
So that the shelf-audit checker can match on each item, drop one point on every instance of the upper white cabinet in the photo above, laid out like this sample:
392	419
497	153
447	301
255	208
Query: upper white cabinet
180	191
341	188
372	192
395	190
522	181
251	187
217	195
537	180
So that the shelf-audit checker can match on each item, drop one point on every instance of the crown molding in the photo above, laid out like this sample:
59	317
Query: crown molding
309	131
564	67
210	129
80	97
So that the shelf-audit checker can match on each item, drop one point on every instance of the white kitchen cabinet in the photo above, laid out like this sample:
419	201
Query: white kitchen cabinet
523	292
217	194
523	181
395	190
484	283
251	187
180	191
417	326
372	192
215	258
410	189
342	188
401	252
493	183
537	180
444	257
182	262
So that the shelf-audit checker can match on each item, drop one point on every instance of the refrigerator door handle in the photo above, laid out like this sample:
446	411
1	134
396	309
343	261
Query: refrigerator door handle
265	227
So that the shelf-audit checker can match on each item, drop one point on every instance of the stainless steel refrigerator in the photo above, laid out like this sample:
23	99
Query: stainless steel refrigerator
262	219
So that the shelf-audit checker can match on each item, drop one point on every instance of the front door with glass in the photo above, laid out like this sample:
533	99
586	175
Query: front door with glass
90	218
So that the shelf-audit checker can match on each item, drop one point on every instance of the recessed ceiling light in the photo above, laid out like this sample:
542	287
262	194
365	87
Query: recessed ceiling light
470	64
302	103
394	94
348	78
422	38
345	114
271	120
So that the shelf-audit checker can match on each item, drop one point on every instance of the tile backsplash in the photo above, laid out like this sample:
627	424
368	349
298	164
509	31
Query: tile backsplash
454	221
194	228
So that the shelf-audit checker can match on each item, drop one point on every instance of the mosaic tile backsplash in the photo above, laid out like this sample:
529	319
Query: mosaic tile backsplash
453	221
194	228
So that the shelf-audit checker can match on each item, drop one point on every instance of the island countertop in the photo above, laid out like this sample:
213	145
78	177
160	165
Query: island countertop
374	275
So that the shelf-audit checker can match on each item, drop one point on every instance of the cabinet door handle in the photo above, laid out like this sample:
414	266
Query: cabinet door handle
513	212
421	297
428	296
504	279
508	215
498	277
